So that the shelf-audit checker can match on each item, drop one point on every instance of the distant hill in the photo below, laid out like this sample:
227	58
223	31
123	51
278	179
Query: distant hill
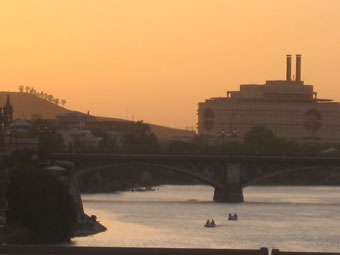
162	132
28	106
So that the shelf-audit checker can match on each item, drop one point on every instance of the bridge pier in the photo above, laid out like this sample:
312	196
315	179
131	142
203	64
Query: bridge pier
232	191
229	195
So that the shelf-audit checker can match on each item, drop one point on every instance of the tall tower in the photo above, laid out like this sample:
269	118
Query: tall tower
1	120
289	68
298	67
7	113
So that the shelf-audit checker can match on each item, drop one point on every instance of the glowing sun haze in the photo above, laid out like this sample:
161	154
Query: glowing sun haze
156	59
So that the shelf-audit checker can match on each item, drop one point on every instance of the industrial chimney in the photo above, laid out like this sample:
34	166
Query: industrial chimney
289	68
298	67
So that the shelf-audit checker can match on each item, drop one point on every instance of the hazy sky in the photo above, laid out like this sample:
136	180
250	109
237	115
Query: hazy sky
156	59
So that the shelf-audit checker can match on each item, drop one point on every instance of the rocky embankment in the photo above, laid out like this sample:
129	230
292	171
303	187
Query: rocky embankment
89	226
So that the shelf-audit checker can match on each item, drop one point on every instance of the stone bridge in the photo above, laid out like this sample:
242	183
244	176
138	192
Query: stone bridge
228	174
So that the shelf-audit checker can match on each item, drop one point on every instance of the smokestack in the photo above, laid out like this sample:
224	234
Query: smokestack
298	67
289	68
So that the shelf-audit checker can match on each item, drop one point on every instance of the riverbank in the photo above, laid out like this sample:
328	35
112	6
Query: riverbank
67	250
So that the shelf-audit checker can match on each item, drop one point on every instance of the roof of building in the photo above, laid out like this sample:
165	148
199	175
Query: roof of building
75	116
55	168
21	123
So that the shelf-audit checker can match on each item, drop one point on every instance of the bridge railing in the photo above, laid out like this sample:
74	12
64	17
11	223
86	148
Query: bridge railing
69	250
278	252
54	250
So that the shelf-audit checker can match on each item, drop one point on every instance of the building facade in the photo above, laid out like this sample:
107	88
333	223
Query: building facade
21	136
75	134
288	107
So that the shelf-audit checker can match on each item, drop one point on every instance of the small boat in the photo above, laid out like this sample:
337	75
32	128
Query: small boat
232	217
140	189
209	224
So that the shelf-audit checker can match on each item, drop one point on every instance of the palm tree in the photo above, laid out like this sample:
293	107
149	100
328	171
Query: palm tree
27	88
50	98
56	100
63	102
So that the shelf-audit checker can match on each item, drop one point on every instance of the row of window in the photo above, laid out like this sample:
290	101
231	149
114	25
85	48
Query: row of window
269	124
252	110
254	116
272	110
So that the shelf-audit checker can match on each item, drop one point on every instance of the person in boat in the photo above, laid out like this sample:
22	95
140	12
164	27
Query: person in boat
212	222
208	222
235	216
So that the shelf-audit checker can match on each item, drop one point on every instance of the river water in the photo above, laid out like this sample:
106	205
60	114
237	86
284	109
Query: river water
295	218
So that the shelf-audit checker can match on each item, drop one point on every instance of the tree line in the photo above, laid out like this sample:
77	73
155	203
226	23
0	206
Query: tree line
139	138
48	97
257	141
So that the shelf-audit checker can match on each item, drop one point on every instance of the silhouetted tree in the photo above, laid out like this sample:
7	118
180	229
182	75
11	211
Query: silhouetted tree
41	204
49	138
140	139
21	88
261	140
50	98
63	102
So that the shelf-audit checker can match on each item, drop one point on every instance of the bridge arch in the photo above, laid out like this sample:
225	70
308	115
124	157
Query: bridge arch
183	171
287	170
228	185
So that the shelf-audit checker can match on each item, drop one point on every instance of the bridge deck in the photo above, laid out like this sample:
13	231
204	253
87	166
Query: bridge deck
198	157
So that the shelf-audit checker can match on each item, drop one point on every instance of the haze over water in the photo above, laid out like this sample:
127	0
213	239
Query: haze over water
291	218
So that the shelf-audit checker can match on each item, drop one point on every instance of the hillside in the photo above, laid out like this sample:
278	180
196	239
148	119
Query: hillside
28	106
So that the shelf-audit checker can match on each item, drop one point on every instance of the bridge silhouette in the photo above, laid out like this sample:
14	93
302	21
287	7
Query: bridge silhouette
228	174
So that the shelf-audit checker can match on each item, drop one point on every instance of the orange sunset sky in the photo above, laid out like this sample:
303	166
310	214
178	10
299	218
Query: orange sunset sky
156	59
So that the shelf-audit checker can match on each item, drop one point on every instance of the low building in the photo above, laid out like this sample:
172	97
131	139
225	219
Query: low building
74	120
75	134
79	140
288	107
21	136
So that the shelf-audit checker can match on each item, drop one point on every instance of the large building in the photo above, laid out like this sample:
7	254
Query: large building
288	107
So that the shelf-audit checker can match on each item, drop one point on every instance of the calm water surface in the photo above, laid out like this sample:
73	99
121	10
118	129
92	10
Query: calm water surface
288	218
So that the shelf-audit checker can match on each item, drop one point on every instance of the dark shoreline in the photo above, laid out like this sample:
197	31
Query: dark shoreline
194	184
65	250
